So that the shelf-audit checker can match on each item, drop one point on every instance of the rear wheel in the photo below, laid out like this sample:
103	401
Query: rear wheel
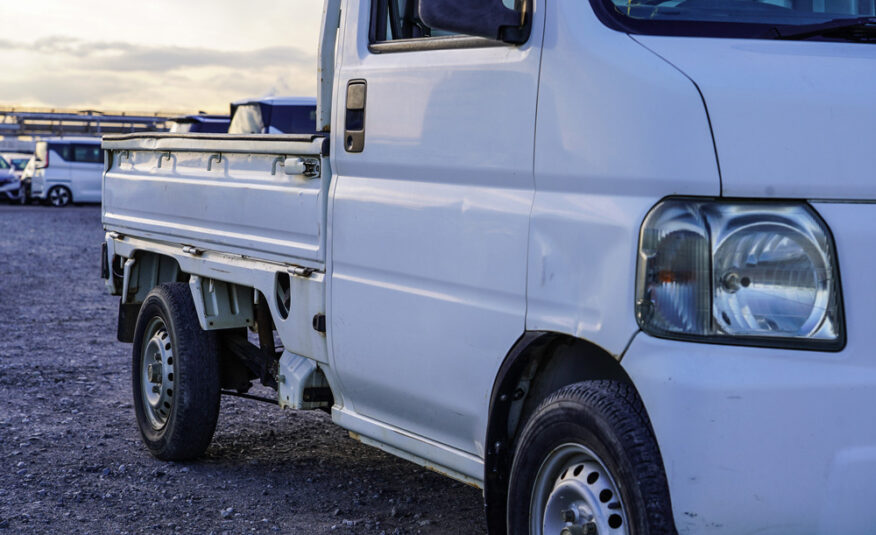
59	196
175	375
587	463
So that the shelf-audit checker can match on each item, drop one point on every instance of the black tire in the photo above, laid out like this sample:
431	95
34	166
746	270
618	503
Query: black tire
25	196
592	427
176	414
59	196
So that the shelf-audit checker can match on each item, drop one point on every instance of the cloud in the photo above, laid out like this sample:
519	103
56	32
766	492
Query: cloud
67	89
63	71
122	56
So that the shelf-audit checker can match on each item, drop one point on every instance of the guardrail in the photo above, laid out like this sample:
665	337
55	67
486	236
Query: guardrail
16	121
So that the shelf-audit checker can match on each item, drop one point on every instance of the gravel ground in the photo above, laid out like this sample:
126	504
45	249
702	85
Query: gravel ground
72	460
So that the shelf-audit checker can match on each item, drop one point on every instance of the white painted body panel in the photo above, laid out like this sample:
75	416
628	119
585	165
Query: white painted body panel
772	441
792	119
57	174
85	179
463	466
429	234
618	129
224	193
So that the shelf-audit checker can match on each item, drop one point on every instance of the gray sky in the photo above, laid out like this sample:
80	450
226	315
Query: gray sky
173	55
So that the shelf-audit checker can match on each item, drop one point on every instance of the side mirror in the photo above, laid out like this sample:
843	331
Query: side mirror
482	18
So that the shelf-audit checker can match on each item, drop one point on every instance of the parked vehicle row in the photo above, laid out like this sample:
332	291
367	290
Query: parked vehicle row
65	170
61	170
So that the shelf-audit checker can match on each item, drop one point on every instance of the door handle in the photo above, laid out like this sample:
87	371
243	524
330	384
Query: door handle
354	120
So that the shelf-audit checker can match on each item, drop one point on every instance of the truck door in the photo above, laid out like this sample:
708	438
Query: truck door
433	158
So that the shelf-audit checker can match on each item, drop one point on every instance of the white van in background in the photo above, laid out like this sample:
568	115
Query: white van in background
67	169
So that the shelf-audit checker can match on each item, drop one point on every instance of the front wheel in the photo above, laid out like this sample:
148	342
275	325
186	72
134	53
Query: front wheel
59	196
587	463
175	375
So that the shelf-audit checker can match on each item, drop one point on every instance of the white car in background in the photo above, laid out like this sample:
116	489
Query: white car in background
67	169
17	163
9	183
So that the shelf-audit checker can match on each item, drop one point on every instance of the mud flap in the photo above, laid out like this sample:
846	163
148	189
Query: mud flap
128	313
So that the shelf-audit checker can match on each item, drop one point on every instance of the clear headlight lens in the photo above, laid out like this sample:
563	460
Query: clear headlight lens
756	273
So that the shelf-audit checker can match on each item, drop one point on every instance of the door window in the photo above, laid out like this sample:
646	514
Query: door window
392	20
87	153
399	19
62	150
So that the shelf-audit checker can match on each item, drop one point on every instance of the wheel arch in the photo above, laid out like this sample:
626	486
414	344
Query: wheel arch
539	363
219	304
148	270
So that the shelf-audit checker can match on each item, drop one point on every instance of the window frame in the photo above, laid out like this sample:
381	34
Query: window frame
439	42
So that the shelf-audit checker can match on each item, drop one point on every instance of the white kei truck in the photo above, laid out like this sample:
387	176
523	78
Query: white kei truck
609	261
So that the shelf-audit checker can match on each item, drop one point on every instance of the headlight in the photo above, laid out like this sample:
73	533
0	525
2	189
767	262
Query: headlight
745	273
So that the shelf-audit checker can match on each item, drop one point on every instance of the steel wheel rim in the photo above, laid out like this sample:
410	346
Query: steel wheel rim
157	373
59	197
575	494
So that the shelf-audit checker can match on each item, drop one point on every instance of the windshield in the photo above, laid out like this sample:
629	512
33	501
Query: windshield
3	163
19	163
247	120
729	18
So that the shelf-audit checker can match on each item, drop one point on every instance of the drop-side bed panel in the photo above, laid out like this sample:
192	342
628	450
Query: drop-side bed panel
222	192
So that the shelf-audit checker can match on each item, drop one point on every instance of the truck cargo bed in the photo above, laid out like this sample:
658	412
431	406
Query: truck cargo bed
229	193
